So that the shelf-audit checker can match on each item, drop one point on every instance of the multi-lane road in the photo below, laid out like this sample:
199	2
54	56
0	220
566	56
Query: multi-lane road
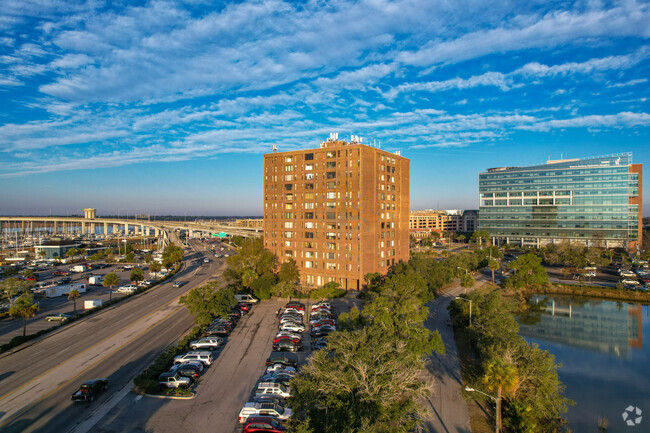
38	378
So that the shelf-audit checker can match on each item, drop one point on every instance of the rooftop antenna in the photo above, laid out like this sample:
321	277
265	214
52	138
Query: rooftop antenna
274	148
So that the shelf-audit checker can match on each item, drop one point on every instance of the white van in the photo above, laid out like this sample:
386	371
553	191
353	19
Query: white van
246	297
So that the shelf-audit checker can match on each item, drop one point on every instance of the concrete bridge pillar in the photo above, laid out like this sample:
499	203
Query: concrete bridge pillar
115	228
126	229
141	230
22	226
93	228
83	228
105	229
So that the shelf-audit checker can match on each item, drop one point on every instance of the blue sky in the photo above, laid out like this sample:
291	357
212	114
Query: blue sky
166	107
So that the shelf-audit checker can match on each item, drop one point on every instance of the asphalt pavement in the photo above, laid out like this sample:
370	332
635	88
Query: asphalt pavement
38	377
447	407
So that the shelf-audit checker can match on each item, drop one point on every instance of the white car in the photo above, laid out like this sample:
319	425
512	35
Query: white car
293	311
293	327
631	282
210	343
127	289
288	334
266	409
279	367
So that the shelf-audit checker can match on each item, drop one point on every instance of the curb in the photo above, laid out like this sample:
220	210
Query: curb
171	397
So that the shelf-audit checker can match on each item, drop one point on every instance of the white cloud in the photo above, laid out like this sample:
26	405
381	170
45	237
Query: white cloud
495	79
630	83
553	29
620	120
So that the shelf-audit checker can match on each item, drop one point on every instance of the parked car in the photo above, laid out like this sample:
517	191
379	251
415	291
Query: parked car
244	307
89	389
198	355
294	327
210	343
287	338
290	318
292	310
58	317
271	388
280	367
263	409
174	380
295	304
246	297
267	424
188	369
318	344
281	358
288	345
288	334
218	330
127	289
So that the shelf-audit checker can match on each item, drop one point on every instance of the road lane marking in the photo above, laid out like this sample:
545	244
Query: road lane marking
127	329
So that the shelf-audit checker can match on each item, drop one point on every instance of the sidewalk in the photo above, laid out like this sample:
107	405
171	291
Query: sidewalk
448	408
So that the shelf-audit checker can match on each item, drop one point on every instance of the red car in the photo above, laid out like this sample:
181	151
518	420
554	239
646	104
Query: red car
62	273
255	424
286	337
296	305
243	307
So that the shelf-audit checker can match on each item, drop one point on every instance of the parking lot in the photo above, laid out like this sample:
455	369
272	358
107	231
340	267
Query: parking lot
10	328
222	389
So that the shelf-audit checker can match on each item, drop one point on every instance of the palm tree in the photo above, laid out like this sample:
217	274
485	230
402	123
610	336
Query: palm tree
111	280
72	296
24	307
494	265
502	377
71	253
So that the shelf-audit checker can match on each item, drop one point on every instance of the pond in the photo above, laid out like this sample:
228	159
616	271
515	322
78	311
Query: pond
605	362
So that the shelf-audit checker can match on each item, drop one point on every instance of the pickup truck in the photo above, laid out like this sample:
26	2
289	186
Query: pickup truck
89	389
174	380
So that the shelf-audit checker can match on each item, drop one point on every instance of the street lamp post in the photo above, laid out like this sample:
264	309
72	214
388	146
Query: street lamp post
470	308
498	405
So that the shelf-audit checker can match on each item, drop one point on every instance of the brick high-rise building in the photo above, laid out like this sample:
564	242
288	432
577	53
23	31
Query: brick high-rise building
340	211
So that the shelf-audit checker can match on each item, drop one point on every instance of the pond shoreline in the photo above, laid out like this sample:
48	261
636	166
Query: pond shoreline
585	291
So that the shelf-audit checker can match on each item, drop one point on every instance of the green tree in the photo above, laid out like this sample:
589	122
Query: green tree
172	254
467	282
136	275
529	272
500	376
461	238
73	296
289	271
71	253
494	266
208	301
28	273
130	257
154	267
252	261
41	254
24	307
82	252
11	288
111	280
480	237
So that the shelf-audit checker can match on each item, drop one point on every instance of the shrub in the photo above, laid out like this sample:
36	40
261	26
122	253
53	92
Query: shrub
262	292
329	290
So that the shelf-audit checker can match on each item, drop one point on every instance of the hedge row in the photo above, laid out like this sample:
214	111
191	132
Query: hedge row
147	381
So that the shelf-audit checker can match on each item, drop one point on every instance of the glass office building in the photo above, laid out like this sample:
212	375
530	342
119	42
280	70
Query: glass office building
595	201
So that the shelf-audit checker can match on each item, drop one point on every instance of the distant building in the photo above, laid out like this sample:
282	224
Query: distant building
423	222
57	248
595	201
340	211
250	222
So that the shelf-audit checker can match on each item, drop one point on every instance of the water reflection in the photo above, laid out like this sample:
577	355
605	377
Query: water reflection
602	326
604	363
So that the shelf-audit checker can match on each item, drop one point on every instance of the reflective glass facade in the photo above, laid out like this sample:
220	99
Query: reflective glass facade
596	201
